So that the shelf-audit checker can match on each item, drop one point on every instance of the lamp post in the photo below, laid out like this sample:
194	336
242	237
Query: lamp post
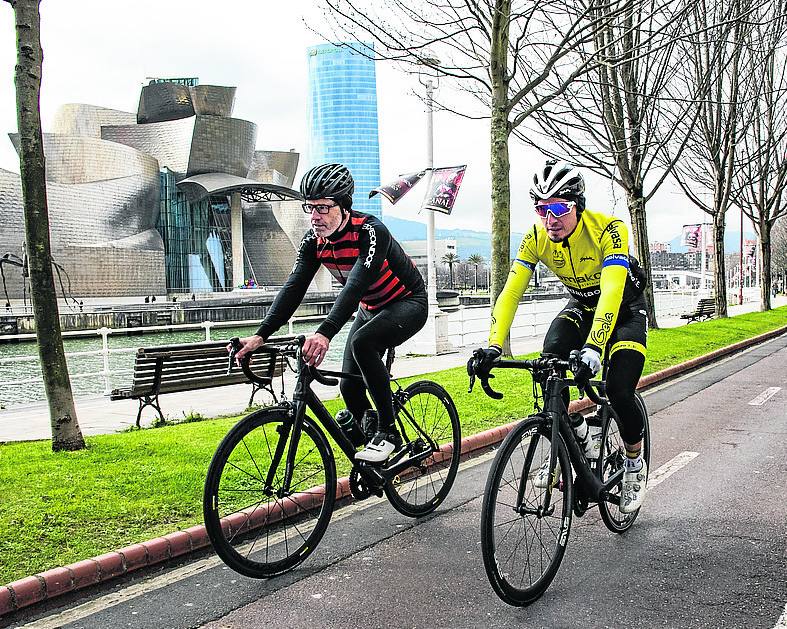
434	337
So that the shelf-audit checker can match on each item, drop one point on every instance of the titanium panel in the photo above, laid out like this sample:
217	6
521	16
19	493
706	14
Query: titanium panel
168	142
160	102
222	145
81	119
265	165
213	100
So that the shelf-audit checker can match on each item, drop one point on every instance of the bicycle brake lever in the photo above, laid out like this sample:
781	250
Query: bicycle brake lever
236	346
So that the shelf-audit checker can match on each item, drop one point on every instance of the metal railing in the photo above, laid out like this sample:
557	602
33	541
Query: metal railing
106	373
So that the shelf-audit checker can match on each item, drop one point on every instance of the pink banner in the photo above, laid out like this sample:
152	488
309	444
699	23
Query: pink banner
397	189
444	187
691	237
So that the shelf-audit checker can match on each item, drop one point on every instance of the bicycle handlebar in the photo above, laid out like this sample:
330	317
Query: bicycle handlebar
544	363
291	349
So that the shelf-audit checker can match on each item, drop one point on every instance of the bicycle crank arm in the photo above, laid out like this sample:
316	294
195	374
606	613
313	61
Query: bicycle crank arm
395	467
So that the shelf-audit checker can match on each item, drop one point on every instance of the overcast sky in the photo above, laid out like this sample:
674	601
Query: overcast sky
102	56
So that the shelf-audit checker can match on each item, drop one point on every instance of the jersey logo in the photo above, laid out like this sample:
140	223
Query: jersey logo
600	336
557	258
617	241
586	259
372	244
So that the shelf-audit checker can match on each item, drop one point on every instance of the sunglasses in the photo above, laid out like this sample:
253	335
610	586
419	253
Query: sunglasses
557	209
320	208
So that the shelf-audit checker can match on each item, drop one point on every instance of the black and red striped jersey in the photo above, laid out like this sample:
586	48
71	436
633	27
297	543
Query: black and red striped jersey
362	256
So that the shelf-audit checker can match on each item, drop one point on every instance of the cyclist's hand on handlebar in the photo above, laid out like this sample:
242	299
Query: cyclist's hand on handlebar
585	363
314	349
248	344
486	359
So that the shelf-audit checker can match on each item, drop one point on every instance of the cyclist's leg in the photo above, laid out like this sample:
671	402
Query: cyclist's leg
389	327
354	391
627	358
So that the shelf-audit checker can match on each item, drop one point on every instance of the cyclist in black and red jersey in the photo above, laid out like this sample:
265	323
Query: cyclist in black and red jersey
380	284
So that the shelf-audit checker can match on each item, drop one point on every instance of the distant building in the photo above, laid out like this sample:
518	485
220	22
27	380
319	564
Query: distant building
416	249
343	117
660	247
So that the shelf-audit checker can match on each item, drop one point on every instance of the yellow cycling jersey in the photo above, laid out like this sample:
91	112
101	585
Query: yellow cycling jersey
594	265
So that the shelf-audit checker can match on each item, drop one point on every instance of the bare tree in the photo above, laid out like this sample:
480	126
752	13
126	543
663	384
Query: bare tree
617	119
762	172
512	56
716	54
66	434
779	253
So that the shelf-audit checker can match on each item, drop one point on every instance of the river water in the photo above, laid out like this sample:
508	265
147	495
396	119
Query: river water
15	394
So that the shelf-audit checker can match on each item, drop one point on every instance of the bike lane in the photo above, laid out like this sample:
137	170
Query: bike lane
708	550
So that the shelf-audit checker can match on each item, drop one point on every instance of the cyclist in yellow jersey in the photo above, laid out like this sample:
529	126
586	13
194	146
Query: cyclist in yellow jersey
588	251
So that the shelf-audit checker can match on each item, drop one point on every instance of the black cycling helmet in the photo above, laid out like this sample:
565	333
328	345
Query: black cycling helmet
329	181
559	179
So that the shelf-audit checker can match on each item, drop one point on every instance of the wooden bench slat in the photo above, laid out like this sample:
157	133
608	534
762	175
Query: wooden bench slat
190	367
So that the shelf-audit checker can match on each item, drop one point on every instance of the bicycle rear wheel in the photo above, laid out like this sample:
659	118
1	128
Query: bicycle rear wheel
426	410
522	549
256	530
613	454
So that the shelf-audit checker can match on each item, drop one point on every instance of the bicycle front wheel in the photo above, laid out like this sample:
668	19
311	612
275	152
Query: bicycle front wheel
257	528
521	543
613	454
427	417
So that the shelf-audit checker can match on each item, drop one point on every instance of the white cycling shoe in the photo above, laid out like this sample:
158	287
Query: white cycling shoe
541	475
379	448
634	485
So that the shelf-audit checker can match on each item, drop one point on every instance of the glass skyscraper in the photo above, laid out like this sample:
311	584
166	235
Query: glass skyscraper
343	117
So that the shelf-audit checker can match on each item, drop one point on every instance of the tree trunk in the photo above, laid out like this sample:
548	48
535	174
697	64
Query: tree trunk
639	225
719	276
66	434
499	161
765	265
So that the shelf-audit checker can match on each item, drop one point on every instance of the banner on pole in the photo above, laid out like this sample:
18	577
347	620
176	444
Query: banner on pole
444	187
691	237
397	189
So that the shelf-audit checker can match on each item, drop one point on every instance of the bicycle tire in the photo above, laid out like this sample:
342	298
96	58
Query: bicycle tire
520	580
419	490
613	454
255	533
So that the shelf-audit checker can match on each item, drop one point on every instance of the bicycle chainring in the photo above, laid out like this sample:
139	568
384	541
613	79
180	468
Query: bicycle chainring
358	486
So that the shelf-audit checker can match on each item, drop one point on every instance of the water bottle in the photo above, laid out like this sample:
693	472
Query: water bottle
350	427
589	438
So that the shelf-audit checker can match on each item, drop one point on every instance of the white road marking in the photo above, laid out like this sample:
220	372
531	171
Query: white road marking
765	396
670	467
782	622
184	572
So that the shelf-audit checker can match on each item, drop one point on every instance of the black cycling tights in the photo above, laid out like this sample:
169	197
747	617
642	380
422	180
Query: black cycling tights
370	335
569	331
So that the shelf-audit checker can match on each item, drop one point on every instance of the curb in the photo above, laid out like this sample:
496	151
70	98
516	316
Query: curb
58	581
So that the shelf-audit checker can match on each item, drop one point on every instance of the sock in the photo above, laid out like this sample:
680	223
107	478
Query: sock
633	461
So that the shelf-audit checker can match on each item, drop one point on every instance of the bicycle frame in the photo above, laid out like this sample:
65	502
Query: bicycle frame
303	398
557	419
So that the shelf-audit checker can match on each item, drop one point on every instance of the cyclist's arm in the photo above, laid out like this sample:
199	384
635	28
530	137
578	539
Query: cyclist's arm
294	289
374	241
516	284
614	271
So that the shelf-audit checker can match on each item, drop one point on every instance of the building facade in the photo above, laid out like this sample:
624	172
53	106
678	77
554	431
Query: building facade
342	111
121	222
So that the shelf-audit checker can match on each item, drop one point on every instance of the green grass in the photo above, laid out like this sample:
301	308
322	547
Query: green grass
58	508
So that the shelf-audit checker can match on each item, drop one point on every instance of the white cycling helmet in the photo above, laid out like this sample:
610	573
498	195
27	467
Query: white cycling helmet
559	179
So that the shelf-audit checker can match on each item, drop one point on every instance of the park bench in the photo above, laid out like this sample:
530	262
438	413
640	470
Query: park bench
190	367
706	309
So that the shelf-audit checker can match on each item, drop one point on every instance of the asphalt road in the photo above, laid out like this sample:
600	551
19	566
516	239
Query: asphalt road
708	550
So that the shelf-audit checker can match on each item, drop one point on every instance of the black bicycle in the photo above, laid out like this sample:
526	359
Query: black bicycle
271	487
525	527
